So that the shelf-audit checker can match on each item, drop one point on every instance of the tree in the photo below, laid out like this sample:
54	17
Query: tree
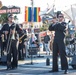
3	18
44	27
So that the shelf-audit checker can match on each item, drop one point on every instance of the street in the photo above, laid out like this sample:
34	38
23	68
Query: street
38	67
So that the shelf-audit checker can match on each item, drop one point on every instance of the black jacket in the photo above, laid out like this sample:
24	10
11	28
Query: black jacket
59	29
6	27
46	39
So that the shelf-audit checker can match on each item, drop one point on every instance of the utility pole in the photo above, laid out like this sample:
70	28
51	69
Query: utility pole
32	27
32	30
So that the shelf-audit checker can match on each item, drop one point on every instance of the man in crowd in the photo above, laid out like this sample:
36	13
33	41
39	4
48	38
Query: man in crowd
46	43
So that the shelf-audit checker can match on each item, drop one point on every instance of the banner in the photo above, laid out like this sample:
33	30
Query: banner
28	14
36	14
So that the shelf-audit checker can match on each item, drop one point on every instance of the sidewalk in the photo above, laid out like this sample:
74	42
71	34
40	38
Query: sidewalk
37	68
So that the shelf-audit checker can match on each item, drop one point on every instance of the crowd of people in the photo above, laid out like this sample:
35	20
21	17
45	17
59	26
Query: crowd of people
12	36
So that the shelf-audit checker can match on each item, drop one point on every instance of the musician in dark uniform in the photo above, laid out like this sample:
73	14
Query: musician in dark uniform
3	40
11	31
22	37
58	44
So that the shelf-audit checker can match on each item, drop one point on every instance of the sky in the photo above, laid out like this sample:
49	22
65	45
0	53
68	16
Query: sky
43	4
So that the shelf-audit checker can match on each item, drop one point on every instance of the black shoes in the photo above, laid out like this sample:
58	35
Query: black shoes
8	68
11	68
65	71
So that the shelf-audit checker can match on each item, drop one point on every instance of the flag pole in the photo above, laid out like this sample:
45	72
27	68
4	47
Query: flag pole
32	27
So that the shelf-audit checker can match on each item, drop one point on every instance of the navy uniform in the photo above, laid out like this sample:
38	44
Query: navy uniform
21	48
59	46
11	41
3	41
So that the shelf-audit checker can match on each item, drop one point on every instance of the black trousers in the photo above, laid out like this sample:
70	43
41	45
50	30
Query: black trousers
13	54
21	51
3	47
59	48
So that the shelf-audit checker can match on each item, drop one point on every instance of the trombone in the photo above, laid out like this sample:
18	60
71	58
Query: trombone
11	35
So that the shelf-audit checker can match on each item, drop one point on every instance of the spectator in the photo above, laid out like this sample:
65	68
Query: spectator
46	43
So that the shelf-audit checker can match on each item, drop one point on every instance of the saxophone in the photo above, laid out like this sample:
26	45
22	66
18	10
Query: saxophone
20	39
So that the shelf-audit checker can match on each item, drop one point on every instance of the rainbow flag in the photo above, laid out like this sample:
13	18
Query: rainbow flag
36	14
28	14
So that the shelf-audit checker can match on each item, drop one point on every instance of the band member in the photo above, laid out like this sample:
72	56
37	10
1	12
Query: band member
11	30
3	38
58	44
22	38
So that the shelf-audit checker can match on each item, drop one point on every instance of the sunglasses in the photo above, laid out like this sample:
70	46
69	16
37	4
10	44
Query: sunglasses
11	17
60	16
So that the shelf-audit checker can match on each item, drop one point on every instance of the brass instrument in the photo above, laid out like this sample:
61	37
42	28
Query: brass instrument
22	37
3	38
